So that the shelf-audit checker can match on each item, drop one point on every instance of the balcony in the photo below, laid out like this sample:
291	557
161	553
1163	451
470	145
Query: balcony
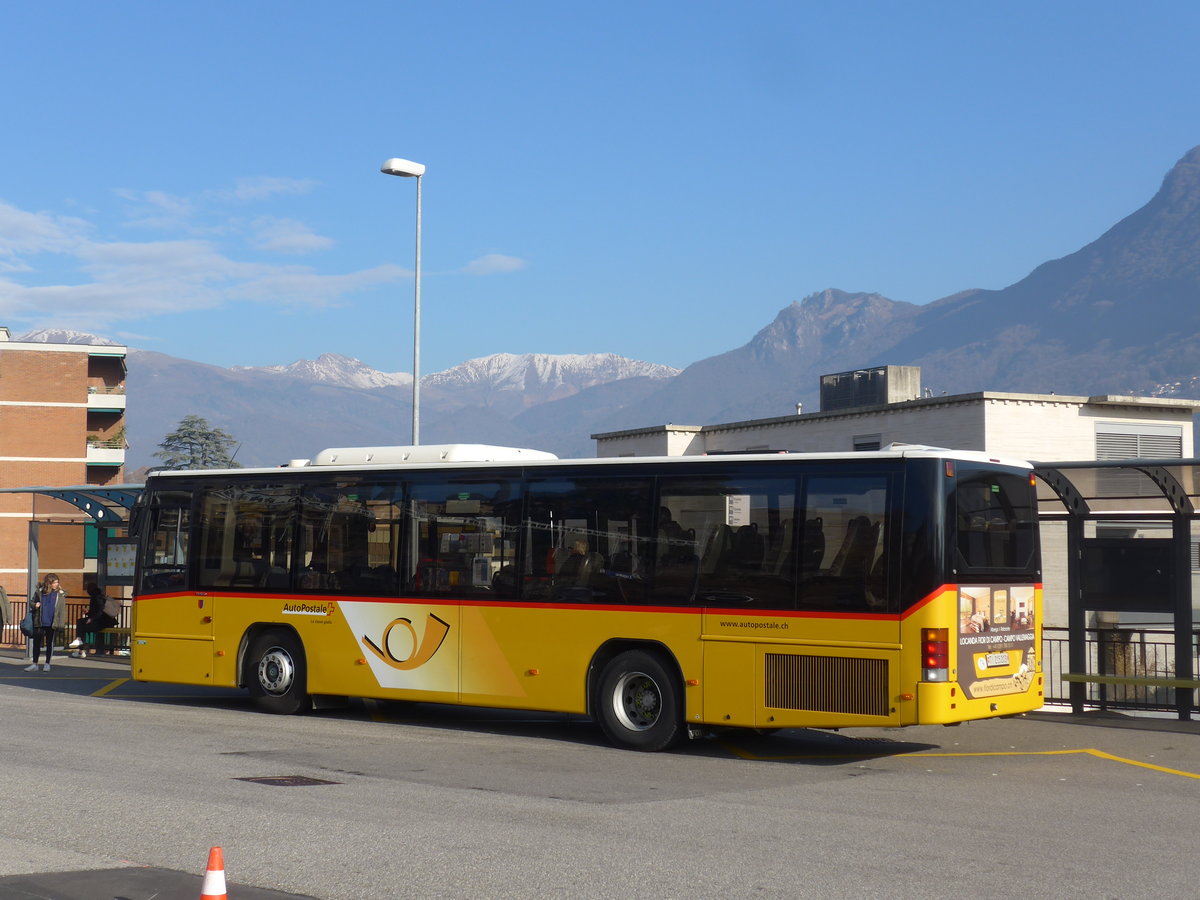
106	452
102	398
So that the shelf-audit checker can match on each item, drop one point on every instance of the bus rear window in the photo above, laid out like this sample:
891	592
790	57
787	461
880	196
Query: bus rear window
996	519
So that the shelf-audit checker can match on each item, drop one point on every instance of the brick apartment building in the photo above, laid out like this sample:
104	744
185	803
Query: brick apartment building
62	422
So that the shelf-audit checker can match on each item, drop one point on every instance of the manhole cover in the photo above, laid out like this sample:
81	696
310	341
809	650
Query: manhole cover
287	780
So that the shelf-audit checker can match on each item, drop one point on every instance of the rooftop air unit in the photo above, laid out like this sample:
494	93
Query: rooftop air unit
870	387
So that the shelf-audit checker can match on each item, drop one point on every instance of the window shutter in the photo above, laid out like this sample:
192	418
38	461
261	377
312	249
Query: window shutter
1116	446
1158	446
1120	440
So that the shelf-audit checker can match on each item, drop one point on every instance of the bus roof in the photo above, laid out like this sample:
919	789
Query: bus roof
425	453
436	456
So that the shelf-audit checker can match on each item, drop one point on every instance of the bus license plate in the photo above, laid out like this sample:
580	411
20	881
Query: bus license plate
997	659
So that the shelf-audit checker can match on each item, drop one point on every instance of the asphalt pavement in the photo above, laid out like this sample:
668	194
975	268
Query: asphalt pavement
129	883
421	800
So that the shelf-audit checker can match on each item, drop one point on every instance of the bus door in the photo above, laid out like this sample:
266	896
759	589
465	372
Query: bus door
172	632
462	554
349	562
726	543
839	664
793	577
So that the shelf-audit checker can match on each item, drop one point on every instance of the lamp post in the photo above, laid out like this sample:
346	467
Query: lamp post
408	169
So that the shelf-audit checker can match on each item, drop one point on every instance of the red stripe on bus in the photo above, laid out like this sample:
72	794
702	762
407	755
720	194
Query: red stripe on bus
524	604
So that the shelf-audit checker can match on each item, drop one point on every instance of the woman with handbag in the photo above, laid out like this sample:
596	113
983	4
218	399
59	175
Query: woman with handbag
49	605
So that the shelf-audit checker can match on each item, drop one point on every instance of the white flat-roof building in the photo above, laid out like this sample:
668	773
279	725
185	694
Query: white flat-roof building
1042	427
1027	426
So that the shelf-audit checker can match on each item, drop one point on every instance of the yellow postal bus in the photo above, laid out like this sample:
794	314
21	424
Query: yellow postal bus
663	597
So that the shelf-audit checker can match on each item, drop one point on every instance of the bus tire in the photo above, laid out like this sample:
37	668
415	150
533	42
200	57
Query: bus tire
638	702
277	673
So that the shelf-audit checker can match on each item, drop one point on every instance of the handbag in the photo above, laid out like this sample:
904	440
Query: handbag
112	607
27	623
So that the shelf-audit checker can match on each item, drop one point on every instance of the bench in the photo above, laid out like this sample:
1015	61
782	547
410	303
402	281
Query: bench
115	639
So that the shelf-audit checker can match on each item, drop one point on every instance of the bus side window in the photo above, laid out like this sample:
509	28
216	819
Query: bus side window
462	536
246	535
164	566
842	549
350	534
729	541
588	540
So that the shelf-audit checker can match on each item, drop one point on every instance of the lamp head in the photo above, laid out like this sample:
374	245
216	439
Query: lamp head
403	167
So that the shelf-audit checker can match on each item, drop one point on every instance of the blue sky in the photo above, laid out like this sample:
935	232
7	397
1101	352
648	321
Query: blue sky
652	179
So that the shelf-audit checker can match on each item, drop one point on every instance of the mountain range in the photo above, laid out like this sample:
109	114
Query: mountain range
1119	316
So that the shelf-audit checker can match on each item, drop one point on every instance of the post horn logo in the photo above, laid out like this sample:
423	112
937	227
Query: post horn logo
423	648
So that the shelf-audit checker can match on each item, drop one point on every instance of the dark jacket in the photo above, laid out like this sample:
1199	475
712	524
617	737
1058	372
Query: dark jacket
60	608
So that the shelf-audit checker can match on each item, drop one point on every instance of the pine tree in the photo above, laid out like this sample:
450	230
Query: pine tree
194	444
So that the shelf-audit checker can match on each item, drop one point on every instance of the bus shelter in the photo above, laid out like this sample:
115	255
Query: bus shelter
104	507
1129	545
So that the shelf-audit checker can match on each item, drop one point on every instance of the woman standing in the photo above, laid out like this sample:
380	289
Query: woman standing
49	604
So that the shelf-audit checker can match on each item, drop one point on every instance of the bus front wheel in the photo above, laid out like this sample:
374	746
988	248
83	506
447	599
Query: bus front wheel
638	702
277	673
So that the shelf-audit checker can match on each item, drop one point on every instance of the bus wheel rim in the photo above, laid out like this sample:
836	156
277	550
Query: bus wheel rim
637	701
276	671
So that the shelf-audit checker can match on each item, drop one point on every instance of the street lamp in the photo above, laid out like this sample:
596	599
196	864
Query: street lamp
409	169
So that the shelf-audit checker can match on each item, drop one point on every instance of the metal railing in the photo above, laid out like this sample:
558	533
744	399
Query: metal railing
1119	652
1127	652
10	635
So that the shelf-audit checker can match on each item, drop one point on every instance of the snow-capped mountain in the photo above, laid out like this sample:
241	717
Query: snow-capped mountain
547	375
509	382
333	368
505	382
573	371
63	336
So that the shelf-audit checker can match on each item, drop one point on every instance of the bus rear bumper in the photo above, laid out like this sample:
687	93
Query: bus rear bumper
945	703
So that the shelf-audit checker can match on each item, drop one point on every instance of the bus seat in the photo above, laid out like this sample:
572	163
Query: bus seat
717	549
857	543
247	573
876	587
386	577
578	568
623	563
812	549
748	548
781	556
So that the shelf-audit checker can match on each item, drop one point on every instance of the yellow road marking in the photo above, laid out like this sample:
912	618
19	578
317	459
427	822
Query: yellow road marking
111	686
1098	754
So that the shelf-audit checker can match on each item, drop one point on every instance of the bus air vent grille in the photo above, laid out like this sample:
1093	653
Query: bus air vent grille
826	684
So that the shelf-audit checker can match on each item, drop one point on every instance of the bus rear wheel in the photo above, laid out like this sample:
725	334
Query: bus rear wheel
277	673
638	703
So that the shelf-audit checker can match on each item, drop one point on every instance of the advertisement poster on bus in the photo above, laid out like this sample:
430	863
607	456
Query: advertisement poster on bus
996	653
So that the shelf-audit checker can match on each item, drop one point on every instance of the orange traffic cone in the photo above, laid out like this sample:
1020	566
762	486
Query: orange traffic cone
214	877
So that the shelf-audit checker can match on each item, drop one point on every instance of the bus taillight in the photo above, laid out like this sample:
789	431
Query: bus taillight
935	654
